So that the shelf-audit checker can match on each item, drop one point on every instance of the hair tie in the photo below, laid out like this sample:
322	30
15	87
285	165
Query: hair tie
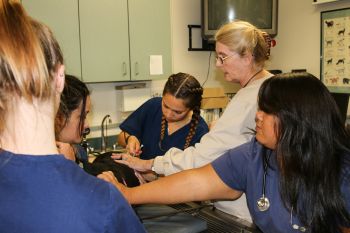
269	42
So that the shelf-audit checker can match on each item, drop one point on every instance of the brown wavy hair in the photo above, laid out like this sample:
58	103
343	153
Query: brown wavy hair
186	87
29	56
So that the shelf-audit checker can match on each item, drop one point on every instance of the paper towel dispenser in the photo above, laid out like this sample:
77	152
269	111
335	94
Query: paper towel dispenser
130	97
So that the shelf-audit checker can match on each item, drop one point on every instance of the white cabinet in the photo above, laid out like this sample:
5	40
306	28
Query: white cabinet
109	40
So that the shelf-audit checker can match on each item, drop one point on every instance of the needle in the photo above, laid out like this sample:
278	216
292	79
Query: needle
134	154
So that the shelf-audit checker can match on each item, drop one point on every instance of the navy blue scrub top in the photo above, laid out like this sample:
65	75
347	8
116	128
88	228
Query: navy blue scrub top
145	124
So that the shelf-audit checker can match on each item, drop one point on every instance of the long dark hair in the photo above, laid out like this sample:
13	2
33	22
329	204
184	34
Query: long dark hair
75	91
312	146
186	87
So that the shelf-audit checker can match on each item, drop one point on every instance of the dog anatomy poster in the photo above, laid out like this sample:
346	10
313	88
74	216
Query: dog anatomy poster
335	50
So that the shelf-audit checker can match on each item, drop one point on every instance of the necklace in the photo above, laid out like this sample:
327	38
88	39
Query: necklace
174	126
250	79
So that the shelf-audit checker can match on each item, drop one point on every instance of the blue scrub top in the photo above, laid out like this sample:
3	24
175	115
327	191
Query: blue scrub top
145	124
241	169
50	193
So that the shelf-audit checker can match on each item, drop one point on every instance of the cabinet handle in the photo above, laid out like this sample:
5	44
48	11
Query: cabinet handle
124	68
136	68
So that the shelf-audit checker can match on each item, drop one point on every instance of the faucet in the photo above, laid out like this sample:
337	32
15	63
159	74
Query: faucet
103	136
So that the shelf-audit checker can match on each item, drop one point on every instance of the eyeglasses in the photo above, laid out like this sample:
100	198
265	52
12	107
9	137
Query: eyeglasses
222	59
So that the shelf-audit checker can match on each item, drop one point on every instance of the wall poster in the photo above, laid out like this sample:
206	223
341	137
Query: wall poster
335	50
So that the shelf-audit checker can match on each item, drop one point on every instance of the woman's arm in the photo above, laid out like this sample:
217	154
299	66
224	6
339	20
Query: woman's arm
191	185
130	142
121	140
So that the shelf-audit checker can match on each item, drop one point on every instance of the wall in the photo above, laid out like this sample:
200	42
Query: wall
298	46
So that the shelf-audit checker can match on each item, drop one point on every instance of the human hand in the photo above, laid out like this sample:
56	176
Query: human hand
110	178
134	146
133	162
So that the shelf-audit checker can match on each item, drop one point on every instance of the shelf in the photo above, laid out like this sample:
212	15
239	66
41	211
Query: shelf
323	1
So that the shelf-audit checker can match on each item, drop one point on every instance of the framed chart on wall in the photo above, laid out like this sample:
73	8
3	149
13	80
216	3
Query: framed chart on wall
335	50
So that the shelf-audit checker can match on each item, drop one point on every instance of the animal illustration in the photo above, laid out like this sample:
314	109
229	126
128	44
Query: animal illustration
329	42
334	80
341	32
329	23
341	61
346	80
329	61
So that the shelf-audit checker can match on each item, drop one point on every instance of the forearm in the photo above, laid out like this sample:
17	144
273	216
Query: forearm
202	153
121	138
191	185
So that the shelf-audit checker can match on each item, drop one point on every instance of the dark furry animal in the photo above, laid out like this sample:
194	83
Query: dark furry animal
346	80
104	162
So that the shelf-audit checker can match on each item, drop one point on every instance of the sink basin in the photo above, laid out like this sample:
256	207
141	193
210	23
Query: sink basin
98	152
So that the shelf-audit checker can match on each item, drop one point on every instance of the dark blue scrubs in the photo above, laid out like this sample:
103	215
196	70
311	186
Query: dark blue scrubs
145	124
242	169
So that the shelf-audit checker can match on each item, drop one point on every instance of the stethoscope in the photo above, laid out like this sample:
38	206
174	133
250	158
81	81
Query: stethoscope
263	202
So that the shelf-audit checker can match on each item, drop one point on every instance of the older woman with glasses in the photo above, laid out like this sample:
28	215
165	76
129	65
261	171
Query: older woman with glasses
241	50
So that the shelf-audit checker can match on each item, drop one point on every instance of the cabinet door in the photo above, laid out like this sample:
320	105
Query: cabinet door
104	40
62	17
150	34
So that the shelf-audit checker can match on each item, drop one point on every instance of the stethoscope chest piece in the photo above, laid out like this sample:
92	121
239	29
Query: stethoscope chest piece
263	203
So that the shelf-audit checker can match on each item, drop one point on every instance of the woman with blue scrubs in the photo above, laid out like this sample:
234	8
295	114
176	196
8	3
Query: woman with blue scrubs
295	172
162	123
